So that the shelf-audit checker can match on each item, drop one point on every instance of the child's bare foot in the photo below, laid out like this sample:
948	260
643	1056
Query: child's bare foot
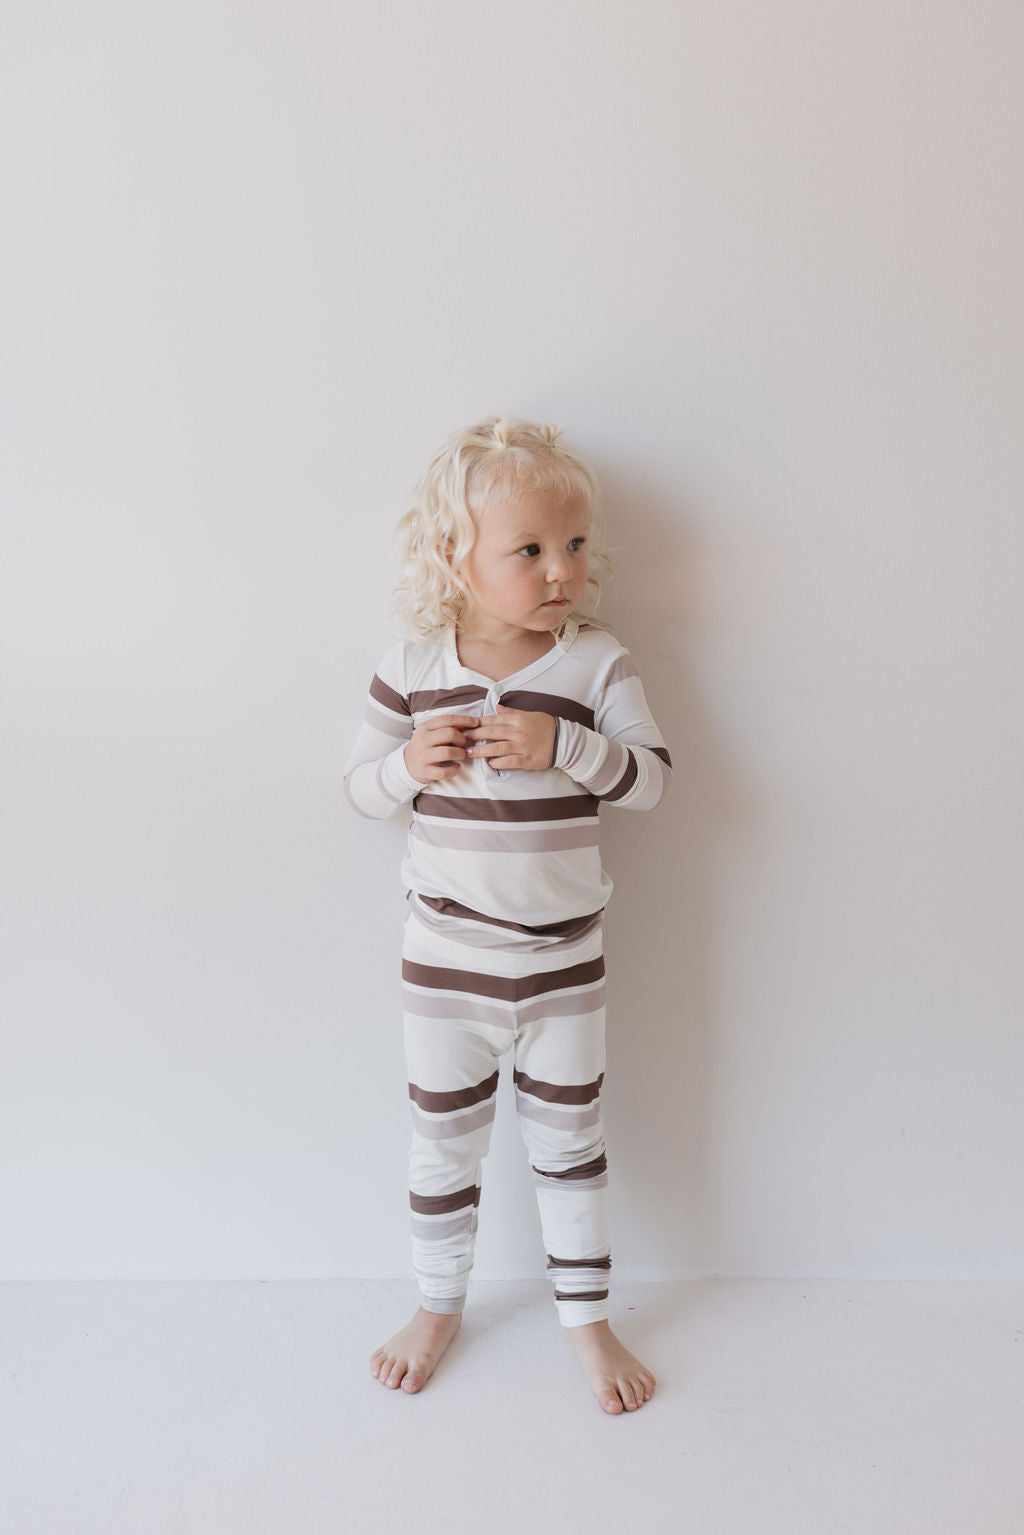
410	1357
617	1379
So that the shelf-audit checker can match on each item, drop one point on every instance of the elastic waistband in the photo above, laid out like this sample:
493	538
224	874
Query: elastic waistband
449	919
466	954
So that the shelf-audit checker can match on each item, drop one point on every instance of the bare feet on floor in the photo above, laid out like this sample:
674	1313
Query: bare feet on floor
618	1380
410	1357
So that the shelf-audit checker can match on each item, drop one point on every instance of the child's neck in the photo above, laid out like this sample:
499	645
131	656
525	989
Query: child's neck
502	658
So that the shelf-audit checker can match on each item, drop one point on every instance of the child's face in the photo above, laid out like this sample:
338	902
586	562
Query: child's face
527	569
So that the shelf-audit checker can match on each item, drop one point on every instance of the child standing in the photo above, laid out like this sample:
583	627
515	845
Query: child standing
506	719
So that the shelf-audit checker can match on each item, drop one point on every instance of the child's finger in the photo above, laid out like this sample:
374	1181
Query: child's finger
446	732
490	748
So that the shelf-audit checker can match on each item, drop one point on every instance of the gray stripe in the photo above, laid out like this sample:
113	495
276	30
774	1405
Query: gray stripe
622	670
610	770
386	723
469	840
443	1305
439	1229
447	1129
572	1186
565	1005
568	1119
456	1005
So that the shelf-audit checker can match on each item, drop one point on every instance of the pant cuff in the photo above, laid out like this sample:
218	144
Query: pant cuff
577	1313
443	1305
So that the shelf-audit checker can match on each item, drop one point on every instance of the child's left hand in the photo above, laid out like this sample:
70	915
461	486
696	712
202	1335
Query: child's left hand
513	738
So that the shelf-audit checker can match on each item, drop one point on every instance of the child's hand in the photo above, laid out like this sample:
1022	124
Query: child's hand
514	738
436	748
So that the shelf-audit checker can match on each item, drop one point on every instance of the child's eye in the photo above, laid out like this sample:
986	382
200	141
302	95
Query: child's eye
530	550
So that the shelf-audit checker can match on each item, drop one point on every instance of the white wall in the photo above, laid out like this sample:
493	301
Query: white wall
764	265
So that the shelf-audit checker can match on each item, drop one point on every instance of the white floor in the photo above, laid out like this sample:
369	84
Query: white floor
782	1406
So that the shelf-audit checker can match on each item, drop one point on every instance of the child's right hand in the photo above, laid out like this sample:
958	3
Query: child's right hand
437	747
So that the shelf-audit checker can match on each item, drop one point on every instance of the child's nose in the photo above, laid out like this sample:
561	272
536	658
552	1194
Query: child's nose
558	569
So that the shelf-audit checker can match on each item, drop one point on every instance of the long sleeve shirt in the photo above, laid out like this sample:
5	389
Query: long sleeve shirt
515	847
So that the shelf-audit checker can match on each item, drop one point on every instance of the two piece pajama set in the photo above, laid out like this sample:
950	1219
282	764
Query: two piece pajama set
503	946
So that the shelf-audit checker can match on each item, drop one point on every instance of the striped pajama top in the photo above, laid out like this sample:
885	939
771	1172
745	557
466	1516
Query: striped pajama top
514	849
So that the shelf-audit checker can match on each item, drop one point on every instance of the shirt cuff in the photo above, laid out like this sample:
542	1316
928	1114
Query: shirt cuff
396	779
580	752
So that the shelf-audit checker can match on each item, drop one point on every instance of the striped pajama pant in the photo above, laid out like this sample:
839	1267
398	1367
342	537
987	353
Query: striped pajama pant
464	1007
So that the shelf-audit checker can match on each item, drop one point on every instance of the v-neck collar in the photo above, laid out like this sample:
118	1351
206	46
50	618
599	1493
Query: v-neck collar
525	673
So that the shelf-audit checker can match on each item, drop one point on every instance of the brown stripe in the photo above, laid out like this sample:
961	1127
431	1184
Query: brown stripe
662	752
452	699
388	697
582	1295
506	988
558	980
627	780
440	979
552	1092
579	1263
461	1098
567	929
573	1174
563	807
551	703
443	1204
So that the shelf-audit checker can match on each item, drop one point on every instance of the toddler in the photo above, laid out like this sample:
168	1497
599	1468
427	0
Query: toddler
506	719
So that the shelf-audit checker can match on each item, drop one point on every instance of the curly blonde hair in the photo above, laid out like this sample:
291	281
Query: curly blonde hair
501	454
